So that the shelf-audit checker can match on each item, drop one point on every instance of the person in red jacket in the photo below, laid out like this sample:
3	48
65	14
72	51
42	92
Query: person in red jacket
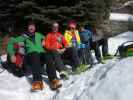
58	48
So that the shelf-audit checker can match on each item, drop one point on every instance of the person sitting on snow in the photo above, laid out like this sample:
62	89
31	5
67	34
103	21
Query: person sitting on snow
55	44
59	49
15	67
72	37
85	52
103	42
35	56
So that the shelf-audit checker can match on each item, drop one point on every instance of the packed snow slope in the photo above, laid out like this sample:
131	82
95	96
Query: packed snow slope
110	81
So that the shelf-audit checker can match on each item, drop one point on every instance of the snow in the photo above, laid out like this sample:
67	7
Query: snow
117	85
121	17
110	81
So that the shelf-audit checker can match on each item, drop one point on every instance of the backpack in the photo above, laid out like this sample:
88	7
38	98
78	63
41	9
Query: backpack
125	49
20	51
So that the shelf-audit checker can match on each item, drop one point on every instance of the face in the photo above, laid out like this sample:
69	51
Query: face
72	27
55	27
31	28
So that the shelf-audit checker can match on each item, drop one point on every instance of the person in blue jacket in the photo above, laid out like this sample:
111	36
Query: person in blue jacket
84	51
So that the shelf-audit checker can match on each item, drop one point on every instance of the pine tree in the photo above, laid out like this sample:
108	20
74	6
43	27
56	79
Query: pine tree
7	14
44	12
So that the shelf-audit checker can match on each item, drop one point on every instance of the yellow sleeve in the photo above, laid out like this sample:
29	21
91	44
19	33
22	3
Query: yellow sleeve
78	37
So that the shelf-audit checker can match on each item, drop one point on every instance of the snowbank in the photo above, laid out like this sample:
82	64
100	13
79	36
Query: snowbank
117	85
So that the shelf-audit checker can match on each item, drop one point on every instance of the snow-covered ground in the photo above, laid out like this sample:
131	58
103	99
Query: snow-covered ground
111	81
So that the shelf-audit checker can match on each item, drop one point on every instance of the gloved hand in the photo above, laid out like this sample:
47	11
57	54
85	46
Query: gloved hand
61	50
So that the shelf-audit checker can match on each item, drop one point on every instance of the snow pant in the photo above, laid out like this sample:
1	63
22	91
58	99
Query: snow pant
56	60
86	56
70	56
94	46
36	61
104	44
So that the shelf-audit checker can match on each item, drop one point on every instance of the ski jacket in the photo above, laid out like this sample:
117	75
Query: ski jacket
54	41
30	44
72	38
85	36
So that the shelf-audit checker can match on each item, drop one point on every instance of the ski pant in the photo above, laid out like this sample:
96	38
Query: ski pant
86	56
95	47
104	44
36	61
70	56
56	60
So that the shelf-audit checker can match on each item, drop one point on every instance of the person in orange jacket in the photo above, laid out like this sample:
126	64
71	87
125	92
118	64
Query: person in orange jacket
58	47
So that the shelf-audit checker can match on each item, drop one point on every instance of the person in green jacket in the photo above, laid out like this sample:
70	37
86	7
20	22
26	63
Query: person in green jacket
35	56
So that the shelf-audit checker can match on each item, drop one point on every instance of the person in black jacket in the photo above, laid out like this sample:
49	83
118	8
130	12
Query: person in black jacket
97	41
